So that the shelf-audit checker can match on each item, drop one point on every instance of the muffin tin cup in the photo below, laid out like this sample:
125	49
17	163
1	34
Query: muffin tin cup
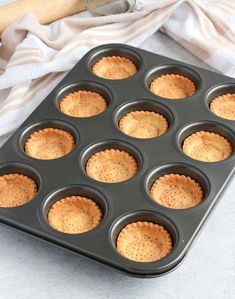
206	126
216	91
174	69
180	169
144	105
147	269
74	190
128	201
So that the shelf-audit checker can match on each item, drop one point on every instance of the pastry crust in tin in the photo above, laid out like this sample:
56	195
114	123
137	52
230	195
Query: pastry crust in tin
111	166
114	68
74	215
143	124
207	147
173	86
144	242
49	143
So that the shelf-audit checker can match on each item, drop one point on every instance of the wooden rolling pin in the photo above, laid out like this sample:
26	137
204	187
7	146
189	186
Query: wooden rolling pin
46	10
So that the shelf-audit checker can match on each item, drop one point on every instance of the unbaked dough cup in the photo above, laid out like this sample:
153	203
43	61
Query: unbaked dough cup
144	242
114	68
207	147
224	106
176	191
111	166
74	215
143	124
173	86
16	190
83	103
49	144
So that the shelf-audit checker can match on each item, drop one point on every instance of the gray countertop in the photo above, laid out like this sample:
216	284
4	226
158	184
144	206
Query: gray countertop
31	268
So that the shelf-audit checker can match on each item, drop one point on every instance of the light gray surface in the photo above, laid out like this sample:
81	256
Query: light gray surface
31	268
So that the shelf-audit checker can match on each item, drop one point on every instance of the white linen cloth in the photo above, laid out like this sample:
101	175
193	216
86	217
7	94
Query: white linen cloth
34	58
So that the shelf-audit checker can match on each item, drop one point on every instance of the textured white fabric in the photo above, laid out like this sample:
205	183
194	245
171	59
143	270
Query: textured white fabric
33	58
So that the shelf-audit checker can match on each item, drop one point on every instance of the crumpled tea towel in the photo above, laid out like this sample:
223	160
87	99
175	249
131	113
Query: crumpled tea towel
34	58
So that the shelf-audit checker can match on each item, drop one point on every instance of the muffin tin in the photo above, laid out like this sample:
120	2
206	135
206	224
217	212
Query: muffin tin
128	201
